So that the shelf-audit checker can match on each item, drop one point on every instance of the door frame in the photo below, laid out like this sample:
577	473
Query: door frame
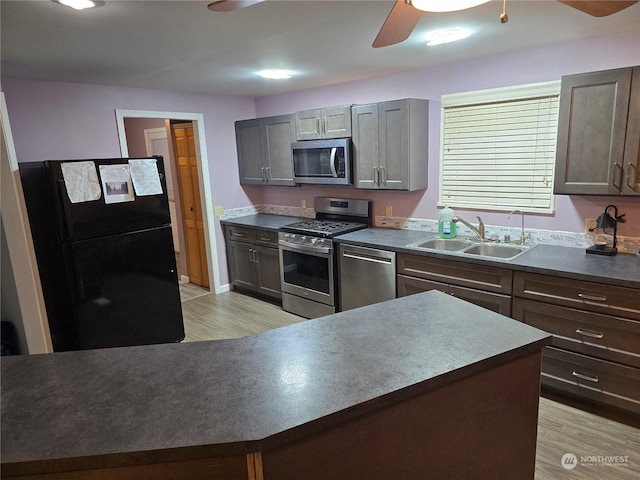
203	173
30	310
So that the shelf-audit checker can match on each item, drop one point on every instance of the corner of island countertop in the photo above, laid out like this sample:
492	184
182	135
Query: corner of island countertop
110	406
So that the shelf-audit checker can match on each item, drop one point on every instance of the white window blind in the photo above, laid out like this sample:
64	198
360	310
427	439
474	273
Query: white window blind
498	148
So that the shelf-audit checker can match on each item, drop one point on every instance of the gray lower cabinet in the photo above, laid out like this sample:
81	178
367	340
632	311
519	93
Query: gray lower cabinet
488	287
598	142
390	144
322	123
253	260
264	150
595	354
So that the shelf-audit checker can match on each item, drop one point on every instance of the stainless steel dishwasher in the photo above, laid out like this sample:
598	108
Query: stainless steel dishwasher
367	276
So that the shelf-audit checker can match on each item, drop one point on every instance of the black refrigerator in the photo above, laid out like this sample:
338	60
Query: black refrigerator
102	237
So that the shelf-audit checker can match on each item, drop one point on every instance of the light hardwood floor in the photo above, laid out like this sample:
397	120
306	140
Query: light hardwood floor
561	429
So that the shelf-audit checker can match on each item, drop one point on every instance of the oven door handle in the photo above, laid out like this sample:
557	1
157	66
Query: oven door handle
304	248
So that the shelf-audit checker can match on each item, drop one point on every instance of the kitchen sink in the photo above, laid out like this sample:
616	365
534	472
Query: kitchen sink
470	247
506	252
442	244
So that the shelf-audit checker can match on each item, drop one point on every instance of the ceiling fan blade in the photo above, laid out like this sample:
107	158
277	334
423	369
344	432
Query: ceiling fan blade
228	5
598	8
401	21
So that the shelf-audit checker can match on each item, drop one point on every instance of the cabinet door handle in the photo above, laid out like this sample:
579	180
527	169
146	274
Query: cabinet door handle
588	333
619	185
267	173
629	183
264	175
593	298
376	176
383	175
588	378
256	256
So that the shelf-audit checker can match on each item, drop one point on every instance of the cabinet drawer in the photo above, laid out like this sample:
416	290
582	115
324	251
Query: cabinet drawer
252	235
489	300
591	296
481	277
240	234
266	237
598	380
411	285
603	336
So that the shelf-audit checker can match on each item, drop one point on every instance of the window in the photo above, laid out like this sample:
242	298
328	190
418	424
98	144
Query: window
498	148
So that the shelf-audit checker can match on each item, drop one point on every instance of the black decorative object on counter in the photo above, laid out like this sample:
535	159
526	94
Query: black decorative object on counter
607	221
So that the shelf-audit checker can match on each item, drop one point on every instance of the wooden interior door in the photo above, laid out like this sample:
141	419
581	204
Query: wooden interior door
196	251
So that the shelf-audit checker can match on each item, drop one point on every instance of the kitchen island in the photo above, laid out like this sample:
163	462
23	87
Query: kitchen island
426	386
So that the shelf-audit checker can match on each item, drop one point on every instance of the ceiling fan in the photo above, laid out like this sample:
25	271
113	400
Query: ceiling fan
404	16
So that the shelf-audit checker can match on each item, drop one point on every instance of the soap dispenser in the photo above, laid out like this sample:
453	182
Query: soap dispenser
446	225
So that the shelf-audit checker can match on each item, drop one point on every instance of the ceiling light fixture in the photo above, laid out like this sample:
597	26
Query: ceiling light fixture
275	74
447	35
79	4
445	5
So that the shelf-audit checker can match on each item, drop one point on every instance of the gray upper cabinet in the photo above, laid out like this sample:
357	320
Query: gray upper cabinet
631	178
390	144
598	133
264	150
321	123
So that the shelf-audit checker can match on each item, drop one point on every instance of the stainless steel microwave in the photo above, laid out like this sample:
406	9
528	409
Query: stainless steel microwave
325	162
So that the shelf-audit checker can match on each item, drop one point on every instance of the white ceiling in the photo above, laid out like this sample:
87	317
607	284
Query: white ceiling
181	45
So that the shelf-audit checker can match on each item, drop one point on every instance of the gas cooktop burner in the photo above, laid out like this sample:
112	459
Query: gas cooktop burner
324	228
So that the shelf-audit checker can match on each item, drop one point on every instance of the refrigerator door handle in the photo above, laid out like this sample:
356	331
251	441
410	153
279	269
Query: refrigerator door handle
74	272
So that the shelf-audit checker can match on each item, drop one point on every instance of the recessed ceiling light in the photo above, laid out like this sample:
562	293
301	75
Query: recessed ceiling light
275	74
80	4
445	5
447	35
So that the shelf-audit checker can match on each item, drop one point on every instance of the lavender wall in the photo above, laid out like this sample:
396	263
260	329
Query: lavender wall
531	66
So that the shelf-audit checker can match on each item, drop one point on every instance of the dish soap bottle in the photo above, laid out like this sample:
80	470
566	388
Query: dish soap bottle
446	225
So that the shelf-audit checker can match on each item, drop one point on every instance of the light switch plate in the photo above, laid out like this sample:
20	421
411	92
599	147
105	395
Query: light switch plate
590	225
219	211
388	211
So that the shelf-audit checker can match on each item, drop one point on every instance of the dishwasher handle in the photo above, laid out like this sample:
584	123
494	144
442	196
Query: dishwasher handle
367	258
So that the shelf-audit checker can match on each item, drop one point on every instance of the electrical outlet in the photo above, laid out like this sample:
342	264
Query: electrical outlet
219	211
590	225
388	211
304	204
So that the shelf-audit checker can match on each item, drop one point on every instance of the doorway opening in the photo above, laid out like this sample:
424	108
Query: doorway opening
179	138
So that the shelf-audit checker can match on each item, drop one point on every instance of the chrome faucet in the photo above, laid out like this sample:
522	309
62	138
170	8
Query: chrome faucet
523	236
479	230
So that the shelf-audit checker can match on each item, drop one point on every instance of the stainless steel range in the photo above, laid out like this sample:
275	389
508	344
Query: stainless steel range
307	258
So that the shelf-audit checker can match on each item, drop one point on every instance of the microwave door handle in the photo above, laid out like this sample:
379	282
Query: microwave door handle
333	162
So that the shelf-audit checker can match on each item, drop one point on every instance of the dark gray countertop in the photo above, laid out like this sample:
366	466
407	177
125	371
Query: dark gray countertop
176	401
264	221
569	262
